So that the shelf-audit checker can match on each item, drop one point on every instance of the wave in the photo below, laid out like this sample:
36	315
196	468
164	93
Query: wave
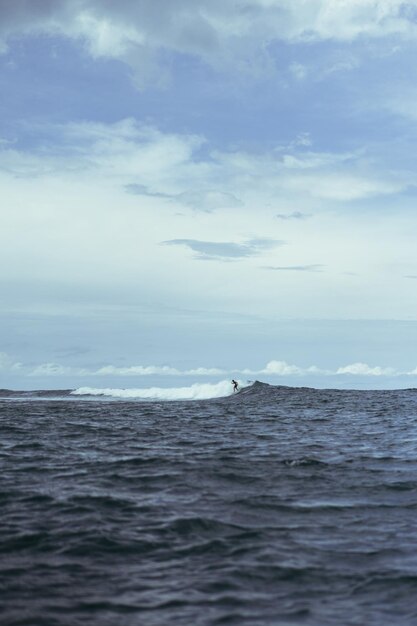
198	391
249	390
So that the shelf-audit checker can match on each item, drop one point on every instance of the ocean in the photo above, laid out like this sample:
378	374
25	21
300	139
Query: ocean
276	506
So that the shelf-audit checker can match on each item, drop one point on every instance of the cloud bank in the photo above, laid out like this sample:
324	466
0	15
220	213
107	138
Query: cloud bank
221	34
71	185
148	162
278	368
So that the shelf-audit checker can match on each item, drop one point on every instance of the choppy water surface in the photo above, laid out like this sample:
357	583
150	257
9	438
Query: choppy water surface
278	506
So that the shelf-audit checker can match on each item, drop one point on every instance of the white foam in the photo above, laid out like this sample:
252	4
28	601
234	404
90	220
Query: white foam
198	391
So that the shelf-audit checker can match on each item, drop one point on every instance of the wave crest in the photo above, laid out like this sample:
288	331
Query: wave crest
198	391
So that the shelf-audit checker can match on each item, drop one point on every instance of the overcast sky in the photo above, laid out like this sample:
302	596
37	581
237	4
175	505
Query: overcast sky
192	189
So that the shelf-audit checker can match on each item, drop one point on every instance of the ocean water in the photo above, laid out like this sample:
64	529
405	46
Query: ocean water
276	506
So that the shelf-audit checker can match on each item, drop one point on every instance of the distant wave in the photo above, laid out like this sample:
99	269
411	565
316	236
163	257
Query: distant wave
250	391
198	391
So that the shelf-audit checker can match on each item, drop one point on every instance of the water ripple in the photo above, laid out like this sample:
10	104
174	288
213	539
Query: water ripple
278	506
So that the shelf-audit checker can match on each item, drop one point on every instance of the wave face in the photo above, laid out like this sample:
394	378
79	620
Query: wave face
198	391
273	506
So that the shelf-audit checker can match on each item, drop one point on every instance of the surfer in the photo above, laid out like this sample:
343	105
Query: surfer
235	385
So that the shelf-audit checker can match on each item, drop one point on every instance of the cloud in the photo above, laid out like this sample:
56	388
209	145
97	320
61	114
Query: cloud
314	160
219	33
142	190
346	186
294	268
56	369
151	370
199	200
298	175
121	149
363	369
66	220
53	369
150	163
274	368
295	215
225	250
282	368
342	65
208	200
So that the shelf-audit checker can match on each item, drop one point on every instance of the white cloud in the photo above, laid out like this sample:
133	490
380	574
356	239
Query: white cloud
149	370
342	65
168	166
345	186
129	149
54	369
315	160
274	368
135	370
123	149
216	31
67	220
208	200
362	369
282	368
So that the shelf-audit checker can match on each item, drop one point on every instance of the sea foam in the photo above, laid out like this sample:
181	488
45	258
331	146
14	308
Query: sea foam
198	391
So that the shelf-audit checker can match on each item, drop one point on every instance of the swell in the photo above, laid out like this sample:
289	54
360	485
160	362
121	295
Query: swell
276	505
249	391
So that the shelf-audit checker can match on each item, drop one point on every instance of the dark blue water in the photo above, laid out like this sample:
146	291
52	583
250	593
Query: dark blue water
277	506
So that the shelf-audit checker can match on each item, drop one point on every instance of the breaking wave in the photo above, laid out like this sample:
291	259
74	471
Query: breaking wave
198	391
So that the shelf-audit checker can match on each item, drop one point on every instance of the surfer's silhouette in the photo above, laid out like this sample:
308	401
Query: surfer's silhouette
235	385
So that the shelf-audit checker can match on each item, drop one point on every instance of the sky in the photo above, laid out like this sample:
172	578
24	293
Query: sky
198	189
